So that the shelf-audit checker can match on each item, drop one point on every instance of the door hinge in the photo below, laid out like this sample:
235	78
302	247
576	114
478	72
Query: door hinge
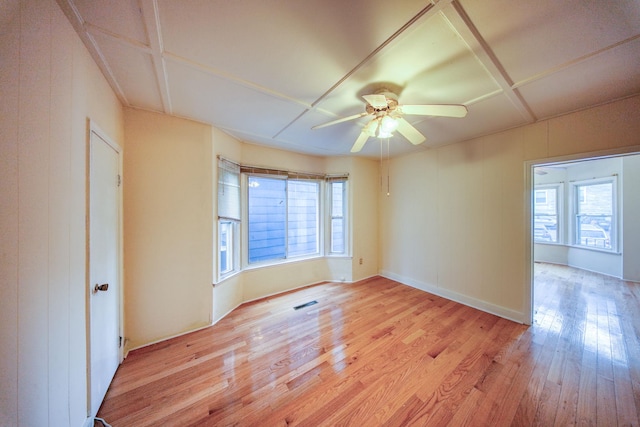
119	180
120	342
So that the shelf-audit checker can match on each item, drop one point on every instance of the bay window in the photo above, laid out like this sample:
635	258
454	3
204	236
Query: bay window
268	216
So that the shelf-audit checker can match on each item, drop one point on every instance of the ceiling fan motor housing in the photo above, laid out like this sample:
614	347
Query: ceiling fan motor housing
391	103
386	117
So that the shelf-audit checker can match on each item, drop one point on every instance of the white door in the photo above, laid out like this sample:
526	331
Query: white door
104	265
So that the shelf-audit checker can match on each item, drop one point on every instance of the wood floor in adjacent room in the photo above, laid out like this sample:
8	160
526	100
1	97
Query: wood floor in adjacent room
380	353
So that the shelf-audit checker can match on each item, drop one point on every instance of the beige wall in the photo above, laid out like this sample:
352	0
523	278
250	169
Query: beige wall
167	226
455	222
364	186
49	86
170	182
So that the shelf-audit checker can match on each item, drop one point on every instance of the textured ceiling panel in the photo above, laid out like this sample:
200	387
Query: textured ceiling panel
610	75
207	98
132	69
267	71
297	48
121	17
531	37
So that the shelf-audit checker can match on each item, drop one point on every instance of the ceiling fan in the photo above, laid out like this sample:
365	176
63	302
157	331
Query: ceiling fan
387	114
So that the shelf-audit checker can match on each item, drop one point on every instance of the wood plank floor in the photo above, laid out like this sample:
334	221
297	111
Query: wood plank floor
379	353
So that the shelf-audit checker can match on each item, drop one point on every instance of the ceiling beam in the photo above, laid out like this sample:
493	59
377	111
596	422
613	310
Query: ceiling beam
428	11
81	28
461	23
151	17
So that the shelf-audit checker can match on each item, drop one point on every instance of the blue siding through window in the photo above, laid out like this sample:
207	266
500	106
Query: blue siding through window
302	218
267	218
283	218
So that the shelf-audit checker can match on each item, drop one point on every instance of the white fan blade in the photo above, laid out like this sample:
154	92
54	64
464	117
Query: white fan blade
448	110
412	134
376	101
359	142
344	119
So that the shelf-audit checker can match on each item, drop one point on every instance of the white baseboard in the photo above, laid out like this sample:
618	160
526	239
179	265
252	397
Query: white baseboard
281	292
500	311
226	314
167	338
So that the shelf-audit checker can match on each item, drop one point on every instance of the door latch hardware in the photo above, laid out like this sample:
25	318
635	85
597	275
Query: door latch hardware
102	287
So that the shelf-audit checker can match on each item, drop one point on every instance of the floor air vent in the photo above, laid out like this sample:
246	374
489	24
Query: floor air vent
306	304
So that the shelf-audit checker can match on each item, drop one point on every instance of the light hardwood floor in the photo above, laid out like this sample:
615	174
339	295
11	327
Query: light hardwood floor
380	353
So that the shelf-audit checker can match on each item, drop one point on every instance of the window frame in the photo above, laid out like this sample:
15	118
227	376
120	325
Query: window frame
578	195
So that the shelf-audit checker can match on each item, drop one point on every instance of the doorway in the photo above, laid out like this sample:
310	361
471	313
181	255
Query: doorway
104	261
576	215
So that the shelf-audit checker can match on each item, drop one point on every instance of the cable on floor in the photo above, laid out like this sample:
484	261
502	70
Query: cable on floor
101	422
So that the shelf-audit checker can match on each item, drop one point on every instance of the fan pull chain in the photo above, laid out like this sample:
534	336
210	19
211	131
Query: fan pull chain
381	166
388	168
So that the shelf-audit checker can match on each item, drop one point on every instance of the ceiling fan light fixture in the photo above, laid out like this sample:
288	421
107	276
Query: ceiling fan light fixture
386	116
387	126
371	128
383	135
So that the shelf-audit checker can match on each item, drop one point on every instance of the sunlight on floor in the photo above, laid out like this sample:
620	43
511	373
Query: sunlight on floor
589	320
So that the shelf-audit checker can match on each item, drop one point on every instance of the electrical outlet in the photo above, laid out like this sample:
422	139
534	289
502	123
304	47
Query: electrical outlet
360	261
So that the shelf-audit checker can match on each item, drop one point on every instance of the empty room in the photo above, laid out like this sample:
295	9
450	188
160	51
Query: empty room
319	213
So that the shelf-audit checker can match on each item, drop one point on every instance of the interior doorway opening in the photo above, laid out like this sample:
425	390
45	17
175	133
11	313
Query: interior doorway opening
577	210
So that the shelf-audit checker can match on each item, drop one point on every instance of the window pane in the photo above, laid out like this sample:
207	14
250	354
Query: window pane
228	192
545	228
228	216
337	235
594	215
337	188
302	217
267	218
337	217
226	246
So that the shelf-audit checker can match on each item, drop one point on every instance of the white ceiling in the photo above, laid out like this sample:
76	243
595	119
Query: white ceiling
266	71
